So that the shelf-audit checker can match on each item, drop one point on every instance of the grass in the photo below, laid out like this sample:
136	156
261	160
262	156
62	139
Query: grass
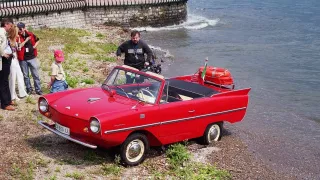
57	170
85	69
104	58
1	117
75	175
180	167
99	35
113	169
30	100
92	156
42	162
44	88
177	154
54	177
69	41
70	161
72	81
88	81
23	173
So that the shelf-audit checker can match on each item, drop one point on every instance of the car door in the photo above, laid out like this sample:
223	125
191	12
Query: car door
176	121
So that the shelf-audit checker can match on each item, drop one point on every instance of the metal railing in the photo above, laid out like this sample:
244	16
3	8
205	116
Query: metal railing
91	3
9	8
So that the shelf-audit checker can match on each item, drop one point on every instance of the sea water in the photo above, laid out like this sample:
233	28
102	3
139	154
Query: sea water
272	46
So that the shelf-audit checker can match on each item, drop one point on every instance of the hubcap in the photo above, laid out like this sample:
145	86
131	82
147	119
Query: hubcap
135	150
214	133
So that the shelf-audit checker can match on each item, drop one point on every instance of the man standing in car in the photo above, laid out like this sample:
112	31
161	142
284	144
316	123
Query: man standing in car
27	57
134	50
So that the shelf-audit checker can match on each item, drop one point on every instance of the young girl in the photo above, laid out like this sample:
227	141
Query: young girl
58	77
15	70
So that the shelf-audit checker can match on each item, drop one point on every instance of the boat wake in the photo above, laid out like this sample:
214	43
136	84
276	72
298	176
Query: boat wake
194	22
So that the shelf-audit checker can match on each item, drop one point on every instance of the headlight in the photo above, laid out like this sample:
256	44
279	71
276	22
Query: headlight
43	105
95	126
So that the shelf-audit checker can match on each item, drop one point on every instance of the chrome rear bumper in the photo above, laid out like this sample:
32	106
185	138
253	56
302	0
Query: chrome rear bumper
47	126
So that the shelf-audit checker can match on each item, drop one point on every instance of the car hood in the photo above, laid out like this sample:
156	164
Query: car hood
91	102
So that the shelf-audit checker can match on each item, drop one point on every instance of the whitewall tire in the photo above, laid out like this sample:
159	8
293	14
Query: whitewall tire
134	149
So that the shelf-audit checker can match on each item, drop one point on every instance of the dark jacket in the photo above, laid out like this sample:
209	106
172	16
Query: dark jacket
134	53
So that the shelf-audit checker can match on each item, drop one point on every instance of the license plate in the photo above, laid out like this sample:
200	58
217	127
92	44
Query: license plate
62	129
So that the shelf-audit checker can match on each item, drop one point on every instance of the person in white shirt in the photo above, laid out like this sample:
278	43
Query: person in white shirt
15	70
6	57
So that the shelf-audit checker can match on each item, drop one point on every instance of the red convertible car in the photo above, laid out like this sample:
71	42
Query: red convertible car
134	110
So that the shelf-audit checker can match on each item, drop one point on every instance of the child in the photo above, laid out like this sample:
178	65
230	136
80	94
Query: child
58	81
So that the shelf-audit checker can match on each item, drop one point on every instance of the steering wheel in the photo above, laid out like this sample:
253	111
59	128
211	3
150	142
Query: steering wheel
147	92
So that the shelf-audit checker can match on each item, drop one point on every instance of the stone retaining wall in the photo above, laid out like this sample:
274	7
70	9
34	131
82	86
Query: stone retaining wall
68	19
144	15
80	14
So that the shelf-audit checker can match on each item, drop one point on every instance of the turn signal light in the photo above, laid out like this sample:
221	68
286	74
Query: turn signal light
86	130
47	114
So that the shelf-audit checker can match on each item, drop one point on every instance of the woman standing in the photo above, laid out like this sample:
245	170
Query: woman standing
15	70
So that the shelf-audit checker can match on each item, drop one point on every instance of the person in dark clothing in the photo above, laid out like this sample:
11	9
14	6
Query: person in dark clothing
5	63
135	50
27	54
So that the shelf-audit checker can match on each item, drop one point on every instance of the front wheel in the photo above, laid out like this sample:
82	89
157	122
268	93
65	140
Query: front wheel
134	149
212	133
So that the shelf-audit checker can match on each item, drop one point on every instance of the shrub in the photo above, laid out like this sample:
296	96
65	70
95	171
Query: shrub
114	169
85	69
177	154
72	81
88	81
99	35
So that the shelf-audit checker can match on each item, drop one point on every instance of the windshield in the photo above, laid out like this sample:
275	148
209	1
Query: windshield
133	85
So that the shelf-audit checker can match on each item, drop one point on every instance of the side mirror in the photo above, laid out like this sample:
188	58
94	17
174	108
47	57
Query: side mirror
112	93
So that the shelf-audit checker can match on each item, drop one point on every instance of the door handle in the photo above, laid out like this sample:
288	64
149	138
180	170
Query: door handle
191	111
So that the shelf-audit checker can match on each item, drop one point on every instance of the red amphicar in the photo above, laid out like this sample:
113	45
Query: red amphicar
134	110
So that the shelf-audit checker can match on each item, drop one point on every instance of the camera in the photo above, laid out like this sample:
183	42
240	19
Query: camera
156	68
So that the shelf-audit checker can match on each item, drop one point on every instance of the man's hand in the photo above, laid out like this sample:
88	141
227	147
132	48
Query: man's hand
6	55
49	85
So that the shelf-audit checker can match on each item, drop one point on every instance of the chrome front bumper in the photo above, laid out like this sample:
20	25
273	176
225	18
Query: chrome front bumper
47	126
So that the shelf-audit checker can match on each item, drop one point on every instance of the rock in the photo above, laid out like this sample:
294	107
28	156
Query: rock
201	154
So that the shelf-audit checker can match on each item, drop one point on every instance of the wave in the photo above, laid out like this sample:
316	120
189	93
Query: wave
161	52
194	22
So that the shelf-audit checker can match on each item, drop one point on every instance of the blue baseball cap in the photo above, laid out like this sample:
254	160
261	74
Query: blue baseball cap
21	25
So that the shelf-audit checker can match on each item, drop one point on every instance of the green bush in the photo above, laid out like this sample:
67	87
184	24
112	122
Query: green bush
72	81
85	69
75	175
100	36
114	169
88	81
178	154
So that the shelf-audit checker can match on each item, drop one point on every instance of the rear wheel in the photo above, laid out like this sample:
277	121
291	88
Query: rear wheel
134	149
212	133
